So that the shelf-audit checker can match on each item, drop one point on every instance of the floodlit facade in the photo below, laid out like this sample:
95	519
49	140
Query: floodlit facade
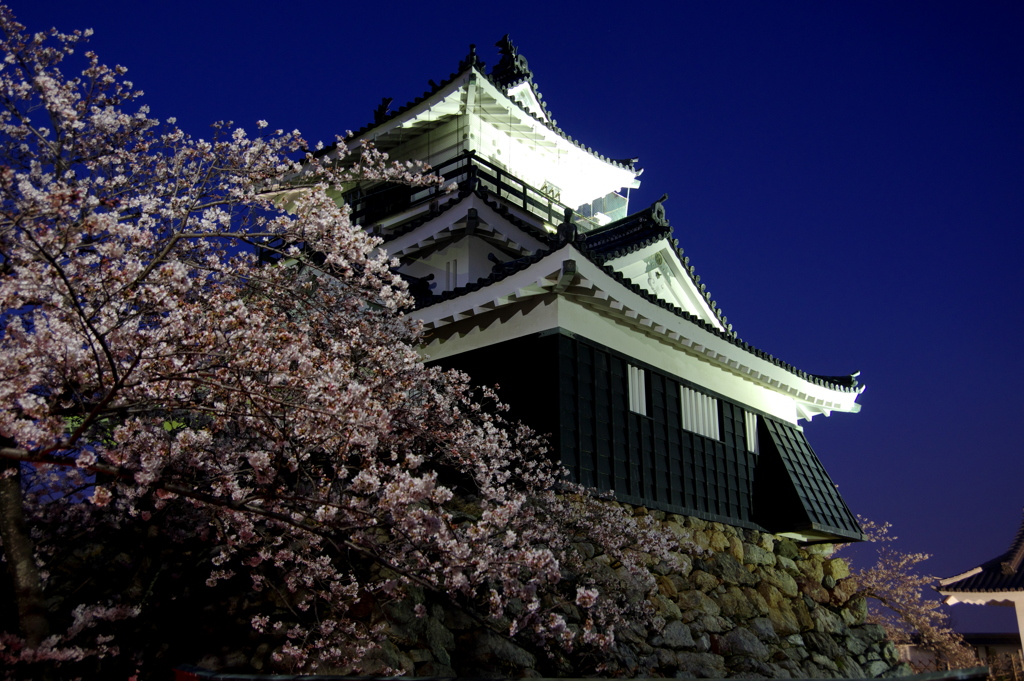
535	275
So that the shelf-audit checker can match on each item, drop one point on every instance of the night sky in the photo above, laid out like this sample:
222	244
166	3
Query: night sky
847	178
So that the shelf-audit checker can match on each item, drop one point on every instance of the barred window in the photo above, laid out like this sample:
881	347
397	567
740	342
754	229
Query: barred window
637	390
699	413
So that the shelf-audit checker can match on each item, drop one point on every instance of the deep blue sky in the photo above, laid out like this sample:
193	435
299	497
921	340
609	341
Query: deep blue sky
847	177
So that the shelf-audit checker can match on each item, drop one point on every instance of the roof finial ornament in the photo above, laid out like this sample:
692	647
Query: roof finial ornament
658	211
471	59
513	65
381	112
567	230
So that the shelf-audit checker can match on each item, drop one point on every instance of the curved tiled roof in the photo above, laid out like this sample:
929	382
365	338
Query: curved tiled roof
472	61
999	574
504	270
500	271
531	229
638	231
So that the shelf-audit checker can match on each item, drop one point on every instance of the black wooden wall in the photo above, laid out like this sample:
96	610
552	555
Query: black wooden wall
575	391
648	459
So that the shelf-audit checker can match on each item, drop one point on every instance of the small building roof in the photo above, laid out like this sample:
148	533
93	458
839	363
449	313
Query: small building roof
1002	573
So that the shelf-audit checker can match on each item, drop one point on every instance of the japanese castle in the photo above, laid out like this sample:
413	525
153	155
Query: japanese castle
534	275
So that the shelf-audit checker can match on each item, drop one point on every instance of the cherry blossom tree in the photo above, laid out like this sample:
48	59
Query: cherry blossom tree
159	380
896	590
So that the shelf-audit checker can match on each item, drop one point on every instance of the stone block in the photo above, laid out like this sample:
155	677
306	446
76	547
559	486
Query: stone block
823	662
666	607
844	589
714	624
717	541
702	665
439	639
869	633
854	645
742	641
828	622
755	555
803	615
781	580
730	570
585	549
704	581
758	601
813	590
677	636
794	640
787	549
666	587
889	653
772	596
836	568
811	569
858	609
784	620
697	602
384	656
824	644
763	628
696	523
875	669
496	651
736	604
850	668
736	548
456	620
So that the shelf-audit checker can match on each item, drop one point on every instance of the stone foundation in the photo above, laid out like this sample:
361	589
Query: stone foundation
755	605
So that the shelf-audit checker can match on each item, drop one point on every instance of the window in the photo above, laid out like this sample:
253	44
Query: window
699	413
451	274
751	423
637	390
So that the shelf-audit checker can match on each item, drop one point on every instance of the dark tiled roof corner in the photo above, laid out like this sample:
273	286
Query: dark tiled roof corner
1003	573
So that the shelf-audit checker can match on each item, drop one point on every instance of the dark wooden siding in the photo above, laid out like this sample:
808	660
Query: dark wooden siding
576	391
648	458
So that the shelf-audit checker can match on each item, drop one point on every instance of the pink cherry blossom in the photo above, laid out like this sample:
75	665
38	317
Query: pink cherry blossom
195	335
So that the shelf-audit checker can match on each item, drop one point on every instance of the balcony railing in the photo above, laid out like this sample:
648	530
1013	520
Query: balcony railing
470	172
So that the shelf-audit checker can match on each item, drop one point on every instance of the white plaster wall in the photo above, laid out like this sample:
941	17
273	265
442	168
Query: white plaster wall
550	312
434	147
607	331
436	263
469	253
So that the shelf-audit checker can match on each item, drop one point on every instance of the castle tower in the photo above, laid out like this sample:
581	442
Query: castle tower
534	275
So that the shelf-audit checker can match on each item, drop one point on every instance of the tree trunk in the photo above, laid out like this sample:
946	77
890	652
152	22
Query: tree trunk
21	563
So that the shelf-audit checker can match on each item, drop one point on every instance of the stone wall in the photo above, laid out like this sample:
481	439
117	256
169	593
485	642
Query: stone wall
754	606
